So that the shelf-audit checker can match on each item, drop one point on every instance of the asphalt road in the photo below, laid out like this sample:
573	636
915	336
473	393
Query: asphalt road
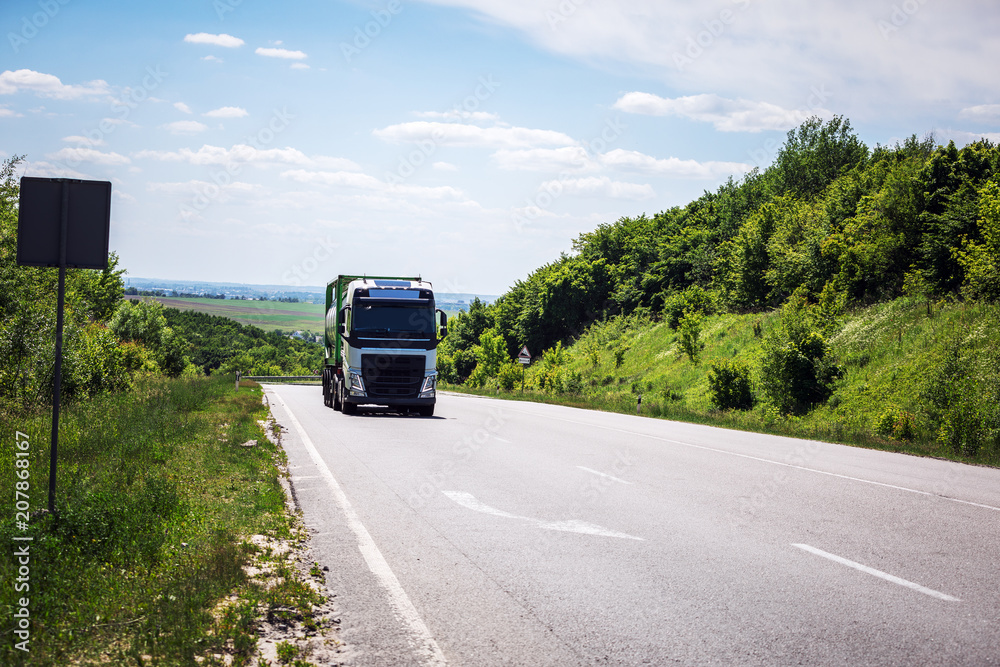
512	533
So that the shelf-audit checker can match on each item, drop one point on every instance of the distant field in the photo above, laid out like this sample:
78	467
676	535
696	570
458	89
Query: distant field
268	315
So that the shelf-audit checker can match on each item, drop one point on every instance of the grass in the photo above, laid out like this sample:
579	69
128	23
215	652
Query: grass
157	491
889	354
268	315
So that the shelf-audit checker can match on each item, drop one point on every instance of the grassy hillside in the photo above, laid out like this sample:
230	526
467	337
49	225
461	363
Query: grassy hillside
890	355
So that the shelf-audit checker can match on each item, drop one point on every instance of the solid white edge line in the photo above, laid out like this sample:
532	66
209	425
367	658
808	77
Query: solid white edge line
426	648
763	460
877	573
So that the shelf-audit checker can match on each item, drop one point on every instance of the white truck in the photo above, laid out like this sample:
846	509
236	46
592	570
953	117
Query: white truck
381	340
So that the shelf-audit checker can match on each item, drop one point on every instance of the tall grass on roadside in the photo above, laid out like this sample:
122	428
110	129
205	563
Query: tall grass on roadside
155	490
912	378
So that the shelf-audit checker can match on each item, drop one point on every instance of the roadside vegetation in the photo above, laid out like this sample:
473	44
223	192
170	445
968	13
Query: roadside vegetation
165	476
844	293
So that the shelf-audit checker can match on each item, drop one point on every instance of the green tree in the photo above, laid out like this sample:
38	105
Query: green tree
814	155
981	261
689	333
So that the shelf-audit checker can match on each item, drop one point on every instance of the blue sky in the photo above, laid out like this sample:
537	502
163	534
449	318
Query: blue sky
468	141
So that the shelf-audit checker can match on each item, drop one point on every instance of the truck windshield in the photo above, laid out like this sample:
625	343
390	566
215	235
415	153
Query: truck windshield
393	320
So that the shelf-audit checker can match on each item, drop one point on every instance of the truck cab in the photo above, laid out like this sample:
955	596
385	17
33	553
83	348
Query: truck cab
381	344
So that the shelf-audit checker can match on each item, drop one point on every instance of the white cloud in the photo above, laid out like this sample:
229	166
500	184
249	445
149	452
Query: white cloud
44	169
962	138
872	57
218	192
598	186
636	161
48	85
366	182
74	156
280	53
299	66
444	166
185	127
351	179
458	134
725	114
228	41
982	112
244	154
8	113
214	59
227	112
459	114
86	141
545	159
183	108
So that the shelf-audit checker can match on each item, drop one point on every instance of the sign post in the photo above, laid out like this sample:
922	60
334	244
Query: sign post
524	358
64	223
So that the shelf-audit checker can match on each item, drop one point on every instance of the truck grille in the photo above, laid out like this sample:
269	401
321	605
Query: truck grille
392	375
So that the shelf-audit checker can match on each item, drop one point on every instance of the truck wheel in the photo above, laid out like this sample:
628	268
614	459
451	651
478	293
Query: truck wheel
426	410
335	401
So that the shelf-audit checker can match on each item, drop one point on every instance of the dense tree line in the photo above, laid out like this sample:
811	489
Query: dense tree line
832	223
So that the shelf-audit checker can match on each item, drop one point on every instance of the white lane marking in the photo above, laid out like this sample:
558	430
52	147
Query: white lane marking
877	573
469	501
763	460
427	650
603	474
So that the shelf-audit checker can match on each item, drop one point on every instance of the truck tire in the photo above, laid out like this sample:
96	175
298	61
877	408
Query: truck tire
335	401
426	410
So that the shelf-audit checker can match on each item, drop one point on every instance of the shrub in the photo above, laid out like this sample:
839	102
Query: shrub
690	331
729	385
897	424
509	376
694	299
797	371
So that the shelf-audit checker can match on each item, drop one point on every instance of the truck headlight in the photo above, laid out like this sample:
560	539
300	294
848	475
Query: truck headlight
357	384
427	389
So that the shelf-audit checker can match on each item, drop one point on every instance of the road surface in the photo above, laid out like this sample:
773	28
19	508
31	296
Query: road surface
514	533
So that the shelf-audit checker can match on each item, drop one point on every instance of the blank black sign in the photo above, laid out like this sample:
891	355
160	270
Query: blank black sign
40	217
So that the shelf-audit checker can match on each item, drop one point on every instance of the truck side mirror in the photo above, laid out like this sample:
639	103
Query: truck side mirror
444	322
342	319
